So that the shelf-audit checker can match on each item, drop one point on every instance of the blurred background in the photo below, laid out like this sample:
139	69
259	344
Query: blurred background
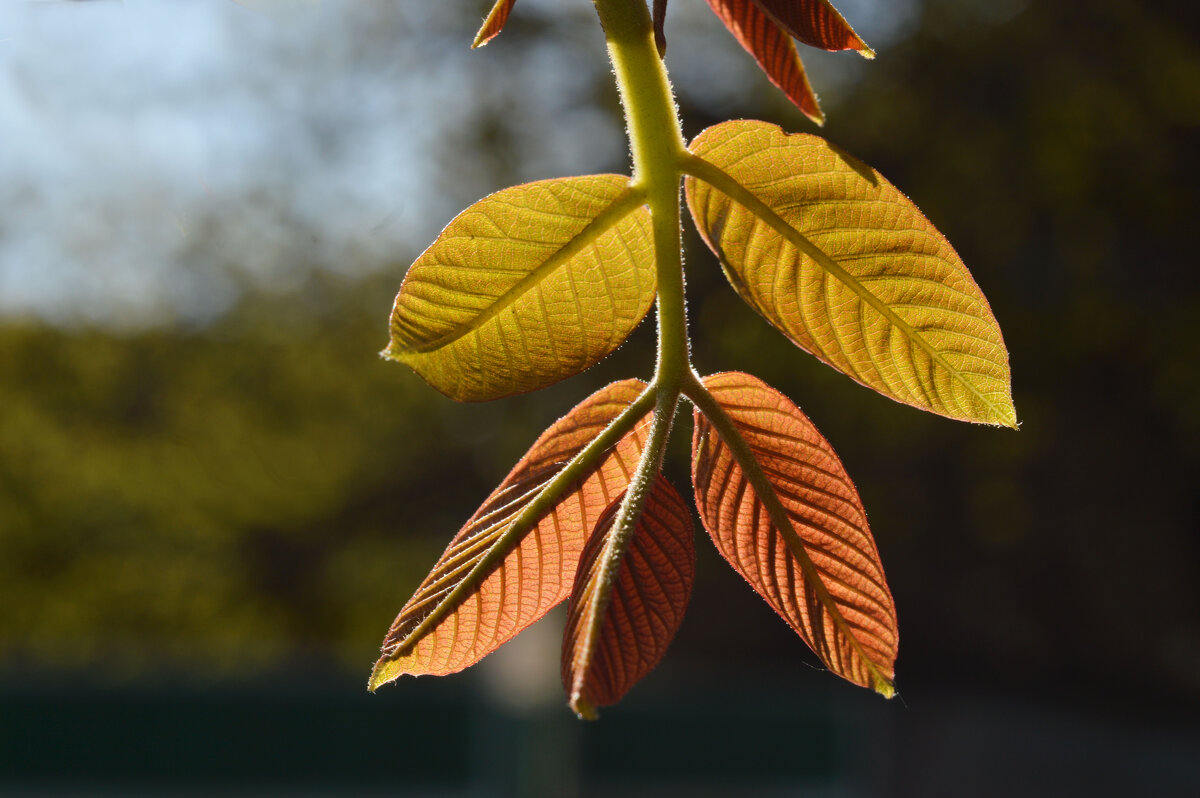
214	496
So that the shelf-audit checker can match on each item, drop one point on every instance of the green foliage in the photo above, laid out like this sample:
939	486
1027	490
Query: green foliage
537	282
210	502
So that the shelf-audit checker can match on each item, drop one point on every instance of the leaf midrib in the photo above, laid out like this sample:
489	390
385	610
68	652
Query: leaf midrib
624	204
721	182
589	455
726	429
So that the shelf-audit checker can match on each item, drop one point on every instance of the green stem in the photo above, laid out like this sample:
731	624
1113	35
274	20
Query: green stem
656	142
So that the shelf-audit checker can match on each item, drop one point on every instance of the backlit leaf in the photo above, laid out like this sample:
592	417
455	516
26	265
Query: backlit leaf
816	23
526	287
494	22
773	49
612	641
660	21
784	513
497	577
845	265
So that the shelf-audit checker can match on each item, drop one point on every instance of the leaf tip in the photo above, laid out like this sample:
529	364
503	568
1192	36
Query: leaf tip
865	51
660	36
883	685
811	108
583	709
1011	421
397	354
1008	416
494	23
385	671
394	350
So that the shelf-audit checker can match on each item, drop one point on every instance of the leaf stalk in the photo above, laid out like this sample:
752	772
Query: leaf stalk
658	149
656	142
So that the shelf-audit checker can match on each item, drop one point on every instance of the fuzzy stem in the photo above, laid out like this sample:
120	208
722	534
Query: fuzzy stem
656	142
619	535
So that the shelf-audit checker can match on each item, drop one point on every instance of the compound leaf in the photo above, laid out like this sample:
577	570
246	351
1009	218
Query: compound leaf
615	638
517	555
842	263
526	287
784	513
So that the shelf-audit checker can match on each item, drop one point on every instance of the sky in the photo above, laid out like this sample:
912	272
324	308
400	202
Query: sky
155	156
125	123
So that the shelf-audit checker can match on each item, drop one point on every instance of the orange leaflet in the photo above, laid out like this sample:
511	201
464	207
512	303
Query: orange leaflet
816	23
505	569
773	49
494	22
784	513
613	639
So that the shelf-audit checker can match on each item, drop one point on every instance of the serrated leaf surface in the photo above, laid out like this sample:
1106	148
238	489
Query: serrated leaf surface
850	270
801	540
607	650
531	574
526	287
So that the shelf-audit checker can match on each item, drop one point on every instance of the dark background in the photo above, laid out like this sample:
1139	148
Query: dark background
207	526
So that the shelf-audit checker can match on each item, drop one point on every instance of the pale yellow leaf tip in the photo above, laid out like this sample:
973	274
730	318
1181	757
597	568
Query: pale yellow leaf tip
1009	416
385	671
816	115
882	685
864	49
583	708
